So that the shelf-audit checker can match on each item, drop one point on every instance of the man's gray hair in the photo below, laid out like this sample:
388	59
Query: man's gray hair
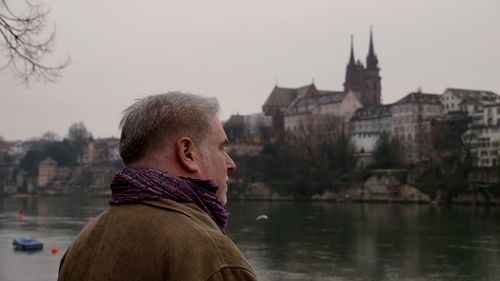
148	122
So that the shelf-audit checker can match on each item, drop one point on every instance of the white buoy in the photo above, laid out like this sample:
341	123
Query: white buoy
262	217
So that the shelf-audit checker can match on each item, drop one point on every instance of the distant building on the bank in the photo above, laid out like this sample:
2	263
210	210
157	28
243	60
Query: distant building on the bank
367	124
407	120
100	150
484	137
47	171
360	81
452	99
364	80
253	128
316	117
411	124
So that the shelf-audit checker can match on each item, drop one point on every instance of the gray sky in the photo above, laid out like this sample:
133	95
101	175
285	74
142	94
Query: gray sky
236	50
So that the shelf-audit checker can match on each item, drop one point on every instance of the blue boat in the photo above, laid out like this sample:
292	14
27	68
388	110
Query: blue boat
27	244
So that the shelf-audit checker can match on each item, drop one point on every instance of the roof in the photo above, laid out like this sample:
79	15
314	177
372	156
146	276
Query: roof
304	90
326	92
308	104
281	97
284	97
235	120
372	112
470	101
496	104
462	93
418	97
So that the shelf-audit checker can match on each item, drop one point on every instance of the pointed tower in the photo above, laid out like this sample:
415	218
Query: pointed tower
354	73
372	88
371	58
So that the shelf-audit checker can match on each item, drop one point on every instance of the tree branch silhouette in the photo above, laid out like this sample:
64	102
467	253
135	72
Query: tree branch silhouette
25	44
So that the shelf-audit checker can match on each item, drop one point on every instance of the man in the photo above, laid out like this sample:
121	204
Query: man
167	217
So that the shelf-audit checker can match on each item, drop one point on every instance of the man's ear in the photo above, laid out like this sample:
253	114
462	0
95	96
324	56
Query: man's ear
187	154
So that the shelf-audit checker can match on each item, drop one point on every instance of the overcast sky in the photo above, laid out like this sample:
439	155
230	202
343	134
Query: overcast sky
236	51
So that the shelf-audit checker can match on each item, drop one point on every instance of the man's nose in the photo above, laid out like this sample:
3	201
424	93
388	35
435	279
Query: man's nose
231	166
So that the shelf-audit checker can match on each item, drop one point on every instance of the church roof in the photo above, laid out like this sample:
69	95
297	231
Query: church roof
281	97
285	96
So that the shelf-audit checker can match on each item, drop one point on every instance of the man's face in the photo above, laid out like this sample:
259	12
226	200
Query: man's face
215	162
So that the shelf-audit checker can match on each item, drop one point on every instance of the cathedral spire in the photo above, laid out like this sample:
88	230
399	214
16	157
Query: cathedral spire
371	59
351	59
371	52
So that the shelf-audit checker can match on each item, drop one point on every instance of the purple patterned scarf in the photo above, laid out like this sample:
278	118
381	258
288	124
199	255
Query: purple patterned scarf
132	185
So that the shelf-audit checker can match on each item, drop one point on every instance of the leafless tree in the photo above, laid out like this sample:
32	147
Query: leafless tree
25	43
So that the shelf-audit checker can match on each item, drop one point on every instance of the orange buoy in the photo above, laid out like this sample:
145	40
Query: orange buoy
20	215
54	250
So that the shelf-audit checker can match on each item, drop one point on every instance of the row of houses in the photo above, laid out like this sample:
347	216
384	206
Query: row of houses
95	164
311	114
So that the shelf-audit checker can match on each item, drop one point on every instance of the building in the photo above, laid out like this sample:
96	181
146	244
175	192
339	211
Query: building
411	124
452	99
47	171
253	128
367	124
318	115
278	102
484	138
365	82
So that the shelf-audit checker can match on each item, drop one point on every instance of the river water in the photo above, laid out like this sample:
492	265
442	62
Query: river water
299	241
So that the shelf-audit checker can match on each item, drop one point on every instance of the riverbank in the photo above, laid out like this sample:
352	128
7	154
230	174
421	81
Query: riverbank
372	191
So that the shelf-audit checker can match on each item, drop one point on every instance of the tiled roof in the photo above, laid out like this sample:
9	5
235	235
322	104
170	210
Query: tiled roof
495	104
462	93
417	97
235	120
302	91
470	101
308	104
281	97
286	96
326	92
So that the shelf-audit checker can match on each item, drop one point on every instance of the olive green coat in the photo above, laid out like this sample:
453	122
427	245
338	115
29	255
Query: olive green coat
153	240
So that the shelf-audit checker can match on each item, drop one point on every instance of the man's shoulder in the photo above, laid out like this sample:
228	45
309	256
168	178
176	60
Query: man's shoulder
151	240
189	237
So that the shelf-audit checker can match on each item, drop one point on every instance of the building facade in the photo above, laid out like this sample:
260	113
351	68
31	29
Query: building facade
316	117
365	82
452	99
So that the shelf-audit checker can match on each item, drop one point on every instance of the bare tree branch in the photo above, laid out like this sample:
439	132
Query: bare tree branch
25	44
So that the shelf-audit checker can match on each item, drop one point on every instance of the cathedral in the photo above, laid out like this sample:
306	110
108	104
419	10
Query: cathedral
362	88
364	80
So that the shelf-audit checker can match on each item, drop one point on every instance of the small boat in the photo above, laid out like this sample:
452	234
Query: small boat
27	244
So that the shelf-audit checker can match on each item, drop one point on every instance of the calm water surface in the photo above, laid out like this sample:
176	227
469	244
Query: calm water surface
299	241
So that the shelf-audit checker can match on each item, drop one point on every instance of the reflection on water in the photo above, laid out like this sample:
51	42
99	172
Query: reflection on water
299	241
